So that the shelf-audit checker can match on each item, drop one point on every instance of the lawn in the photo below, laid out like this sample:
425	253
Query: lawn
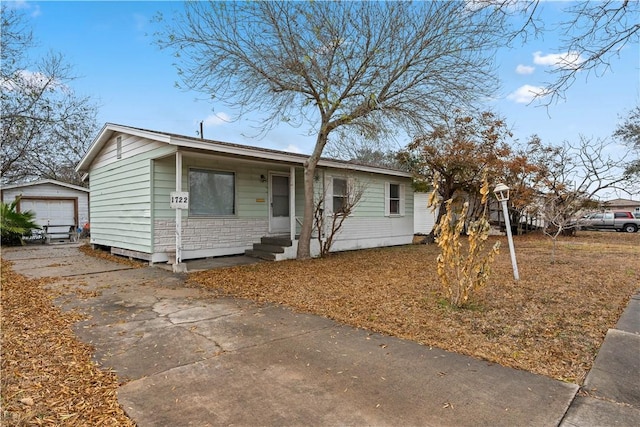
551	322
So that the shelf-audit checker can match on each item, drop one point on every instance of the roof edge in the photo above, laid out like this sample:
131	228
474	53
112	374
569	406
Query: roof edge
45	181
226	148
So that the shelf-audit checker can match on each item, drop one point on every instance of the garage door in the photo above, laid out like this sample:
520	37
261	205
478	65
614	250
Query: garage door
50	212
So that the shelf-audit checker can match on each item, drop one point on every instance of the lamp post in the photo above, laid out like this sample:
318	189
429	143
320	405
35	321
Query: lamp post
502	194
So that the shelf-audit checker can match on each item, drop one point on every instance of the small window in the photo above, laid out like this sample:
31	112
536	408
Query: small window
621	215
211	193
339	194
394	199
608	215
119	147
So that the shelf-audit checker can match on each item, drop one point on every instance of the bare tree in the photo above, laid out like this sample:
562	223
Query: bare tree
46	128
570	178
327	219
629	133
363	68
558	212
592	35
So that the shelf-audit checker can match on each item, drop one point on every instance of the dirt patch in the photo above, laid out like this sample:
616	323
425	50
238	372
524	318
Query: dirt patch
551	322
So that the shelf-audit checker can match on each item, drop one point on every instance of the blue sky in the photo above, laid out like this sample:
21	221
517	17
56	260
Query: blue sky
110	46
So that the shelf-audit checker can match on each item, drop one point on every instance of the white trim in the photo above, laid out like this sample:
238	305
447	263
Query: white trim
292	202
45	181
387	192
178	211
270	195
387	199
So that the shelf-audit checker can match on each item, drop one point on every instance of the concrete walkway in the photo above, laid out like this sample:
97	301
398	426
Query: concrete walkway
186	357
611	392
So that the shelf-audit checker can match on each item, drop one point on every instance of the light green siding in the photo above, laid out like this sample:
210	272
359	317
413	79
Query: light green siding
252	195
121	194
372	202
164	182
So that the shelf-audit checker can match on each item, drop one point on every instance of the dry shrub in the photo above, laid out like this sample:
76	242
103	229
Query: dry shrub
463	269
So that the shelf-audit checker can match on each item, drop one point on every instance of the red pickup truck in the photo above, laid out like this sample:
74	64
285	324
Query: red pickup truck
617	220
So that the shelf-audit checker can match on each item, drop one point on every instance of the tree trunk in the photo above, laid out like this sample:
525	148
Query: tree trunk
304	241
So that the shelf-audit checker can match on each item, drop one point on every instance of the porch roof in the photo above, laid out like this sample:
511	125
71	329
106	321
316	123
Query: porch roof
109	129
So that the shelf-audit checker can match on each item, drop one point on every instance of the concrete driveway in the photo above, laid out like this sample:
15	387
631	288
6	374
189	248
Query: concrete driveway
186	357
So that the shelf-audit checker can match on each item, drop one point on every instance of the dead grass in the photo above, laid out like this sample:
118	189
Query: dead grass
551	322
48	376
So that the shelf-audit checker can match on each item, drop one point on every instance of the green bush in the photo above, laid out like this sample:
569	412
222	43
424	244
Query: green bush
14	226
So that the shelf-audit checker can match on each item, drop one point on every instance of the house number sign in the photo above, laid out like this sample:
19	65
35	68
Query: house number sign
179	200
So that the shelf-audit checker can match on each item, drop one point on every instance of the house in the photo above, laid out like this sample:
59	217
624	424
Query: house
424	217
623	205
57	205
162	197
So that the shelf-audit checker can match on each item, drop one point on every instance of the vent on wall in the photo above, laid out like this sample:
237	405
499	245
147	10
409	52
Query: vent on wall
119	147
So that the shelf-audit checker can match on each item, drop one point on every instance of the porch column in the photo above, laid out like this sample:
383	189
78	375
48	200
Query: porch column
292	201
178	267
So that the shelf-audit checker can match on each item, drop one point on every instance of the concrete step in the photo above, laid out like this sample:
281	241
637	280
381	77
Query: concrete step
276	241
269	256
268	248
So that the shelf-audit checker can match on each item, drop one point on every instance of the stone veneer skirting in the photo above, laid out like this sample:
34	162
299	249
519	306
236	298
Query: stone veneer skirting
209	233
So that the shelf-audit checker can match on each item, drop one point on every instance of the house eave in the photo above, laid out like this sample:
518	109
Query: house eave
225	148
45	181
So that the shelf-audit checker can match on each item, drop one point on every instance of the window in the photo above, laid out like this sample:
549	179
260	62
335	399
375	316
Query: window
119	147
211	193
339	194
394	199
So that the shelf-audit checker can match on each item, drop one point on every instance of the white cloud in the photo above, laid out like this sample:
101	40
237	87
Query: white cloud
217	119
525	94
26	80
567	60
525	69
293	149
510	5
24	5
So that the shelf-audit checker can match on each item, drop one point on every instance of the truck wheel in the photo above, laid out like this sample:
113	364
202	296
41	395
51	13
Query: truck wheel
630	228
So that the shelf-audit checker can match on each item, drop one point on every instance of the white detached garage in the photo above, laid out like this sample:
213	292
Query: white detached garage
55	204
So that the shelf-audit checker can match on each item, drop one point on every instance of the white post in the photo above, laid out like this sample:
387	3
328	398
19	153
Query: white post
178	267
507	223
292	202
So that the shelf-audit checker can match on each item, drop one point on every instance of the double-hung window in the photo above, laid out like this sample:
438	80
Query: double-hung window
340	195
394	199
212	193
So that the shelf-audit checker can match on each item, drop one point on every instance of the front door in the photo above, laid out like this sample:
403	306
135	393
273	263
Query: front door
279	221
